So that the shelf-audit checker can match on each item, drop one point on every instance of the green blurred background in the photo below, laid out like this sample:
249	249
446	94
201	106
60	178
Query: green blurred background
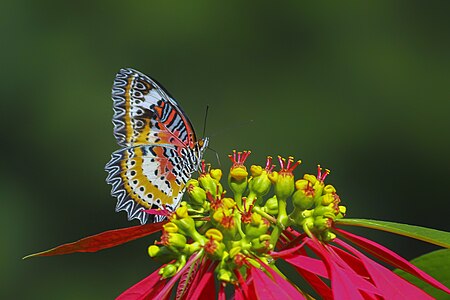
361	88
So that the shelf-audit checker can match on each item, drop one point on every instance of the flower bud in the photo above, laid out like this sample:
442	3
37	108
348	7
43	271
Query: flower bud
216	174
301	200
210	184
168	271
237	179
259	184
271	206
257	227
321	223
262	244
327	199
182	212
197	195
153	250
284	186
177	240
224	275
328	236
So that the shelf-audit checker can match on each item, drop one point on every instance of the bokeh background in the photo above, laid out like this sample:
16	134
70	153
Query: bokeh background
360	87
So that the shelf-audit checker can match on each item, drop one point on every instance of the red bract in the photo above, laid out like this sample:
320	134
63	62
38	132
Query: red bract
352	274
103	240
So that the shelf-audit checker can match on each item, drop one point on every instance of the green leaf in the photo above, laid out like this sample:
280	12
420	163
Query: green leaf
433	236
436	264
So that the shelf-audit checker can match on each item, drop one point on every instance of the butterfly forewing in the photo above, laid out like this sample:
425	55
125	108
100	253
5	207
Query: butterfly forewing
144	113
160	149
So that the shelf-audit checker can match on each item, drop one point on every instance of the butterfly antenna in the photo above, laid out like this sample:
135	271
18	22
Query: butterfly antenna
204	121
217	155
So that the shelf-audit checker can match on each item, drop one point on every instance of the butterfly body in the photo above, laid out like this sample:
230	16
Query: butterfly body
160	149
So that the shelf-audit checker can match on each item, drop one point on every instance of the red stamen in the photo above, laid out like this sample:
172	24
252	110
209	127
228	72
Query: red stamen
281	160
325	174
294	166
210	246
309	190
268	162
290	160
240	158
227	221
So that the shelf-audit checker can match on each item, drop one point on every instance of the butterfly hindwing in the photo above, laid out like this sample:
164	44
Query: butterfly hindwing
148	177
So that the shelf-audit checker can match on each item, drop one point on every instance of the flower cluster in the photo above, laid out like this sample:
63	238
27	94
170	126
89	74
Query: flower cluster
236	235
241	229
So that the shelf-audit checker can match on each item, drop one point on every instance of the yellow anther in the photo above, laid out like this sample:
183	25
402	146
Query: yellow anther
256	170
182	212
153	250
214	234
234	251
170	227
228	203
216	174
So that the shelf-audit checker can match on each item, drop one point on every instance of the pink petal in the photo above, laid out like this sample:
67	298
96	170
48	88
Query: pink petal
206	288
316	283
221	295
392	285
277	288
343	278
355	263
243	285
148	287
166	291
238	293
287	287
392	258
103	240
309	271
186	279
287	252
309	264
204	266
265	288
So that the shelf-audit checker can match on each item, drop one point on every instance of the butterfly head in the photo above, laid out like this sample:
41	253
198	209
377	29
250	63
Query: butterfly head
202	144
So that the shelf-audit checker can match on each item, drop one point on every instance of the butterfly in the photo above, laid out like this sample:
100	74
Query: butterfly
160	150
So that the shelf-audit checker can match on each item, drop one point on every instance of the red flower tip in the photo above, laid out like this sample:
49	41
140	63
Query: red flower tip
246	213
240	158
210	246
289	165
269	165
309	190
227	221
216	202
240	260
336	202
321	176
164	239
